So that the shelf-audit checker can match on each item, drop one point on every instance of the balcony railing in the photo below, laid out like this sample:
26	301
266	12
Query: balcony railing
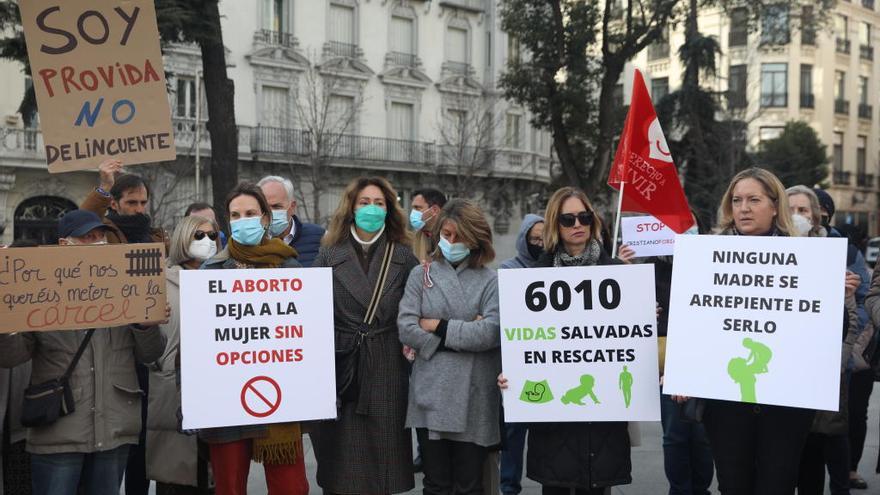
808	100
868	4
808	36
843	45
841	106
461	68
841	177
272	37
865	111
737	99
341	49
472	5
739	37
866	52
865	180
402	59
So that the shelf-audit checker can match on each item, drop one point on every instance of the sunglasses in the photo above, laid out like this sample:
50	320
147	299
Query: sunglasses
199	235
568	219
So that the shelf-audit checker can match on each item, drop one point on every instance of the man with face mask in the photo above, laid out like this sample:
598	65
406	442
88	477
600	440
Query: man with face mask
123	203
426	205
89	447
304	237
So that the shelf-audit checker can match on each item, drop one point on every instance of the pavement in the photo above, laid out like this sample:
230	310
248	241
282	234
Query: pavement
647	460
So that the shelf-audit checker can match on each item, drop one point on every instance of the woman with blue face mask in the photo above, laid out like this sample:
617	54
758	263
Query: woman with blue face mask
367	449
277	446
449	316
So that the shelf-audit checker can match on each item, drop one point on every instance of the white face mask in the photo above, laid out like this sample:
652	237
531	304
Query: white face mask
203	249
71	241
802	225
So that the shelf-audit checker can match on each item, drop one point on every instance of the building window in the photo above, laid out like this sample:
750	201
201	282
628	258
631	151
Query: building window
402	121
774	25
659	88
660	48
186	98
342	30
769	133
513	131
863	90
806	91
861	159
739	27
808	30
866	49
457	49
774	85
736	86
841	29
274	16
403	49
839	85
275	107
513	49
837	153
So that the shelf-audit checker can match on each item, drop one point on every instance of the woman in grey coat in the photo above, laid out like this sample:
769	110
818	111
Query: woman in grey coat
449	316
367	449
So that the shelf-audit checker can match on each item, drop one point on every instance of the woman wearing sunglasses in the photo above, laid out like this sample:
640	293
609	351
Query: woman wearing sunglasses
172	457
587	457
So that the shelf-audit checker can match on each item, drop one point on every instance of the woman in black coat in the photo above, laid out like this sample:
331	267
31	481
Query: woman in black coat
586	457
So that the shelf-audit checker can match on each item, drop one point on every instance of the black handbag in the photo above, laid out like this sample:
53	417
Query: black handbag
45	402
348	360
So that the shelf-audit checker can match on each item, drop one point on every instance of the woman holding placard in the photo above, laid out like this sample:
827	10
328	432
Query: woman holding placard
449	316
367	449
172	457
588	457
756	447
278	446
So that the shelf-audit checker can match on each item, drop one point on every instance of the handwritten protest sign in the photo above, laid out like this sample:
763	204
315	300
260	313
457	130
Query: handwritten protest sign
266	336
579	344
647	236
99	81
757	319
76	287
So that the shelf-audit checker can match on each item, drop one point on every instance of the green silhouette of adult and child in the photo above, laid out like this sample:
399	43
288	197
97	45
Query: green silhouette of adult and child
744	371
540	393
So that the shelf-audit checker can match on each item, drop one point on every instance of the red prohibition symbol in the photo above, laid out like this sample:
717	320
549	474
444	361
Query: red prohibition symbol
264	403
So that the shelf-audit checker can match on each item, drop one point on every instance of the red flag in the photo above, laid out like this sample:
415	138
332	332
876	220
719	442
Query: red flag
644	163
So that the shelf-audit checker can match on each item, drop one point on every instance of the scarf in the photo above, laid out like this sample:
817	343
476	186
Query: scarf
589	257
283	441
136	228
269	254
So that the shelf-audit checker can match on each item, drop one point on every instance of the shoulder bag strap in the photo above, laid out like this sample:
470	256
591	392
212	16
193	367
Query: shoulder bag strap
79	353
380	284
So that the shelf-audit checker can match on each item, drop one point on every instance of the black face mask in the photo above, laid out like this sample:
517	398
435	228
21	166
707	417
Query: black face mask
535	251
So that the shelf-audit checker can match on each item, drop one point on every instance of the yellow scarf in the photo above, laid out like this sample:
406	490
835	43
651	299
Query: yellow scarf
283	441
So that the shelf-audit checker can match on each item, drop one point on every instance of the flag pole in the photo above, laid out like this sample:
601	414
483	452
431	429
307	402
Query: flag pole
617	219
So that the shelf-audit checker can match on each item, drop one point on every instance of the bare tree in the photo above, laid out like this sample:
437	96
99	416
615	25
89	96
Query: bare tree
167	198
327	112
467	148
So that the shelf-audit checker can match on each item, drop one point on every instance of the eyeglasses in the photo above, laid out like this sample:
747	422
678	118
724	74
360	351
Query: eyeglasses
585	218
199	235
537	241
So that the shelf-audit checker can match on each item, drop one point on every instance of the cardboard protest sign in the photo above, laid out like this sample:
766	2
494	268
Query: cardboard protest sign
76	287
757	319
579	344
647	236
266	337
99	81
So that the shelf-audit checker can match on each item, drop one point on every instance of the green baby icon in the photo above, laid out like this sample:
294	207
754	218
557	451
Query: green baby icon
744	371
536	392
577	394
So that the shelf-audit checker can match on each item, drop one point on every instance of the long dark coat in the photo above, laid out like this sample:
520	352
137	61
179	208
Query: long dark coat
368	449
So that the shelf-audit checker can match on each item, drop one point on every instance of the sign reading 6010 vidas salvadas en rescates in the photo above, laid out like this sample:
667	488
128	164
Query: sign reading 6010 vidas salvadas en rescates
579	344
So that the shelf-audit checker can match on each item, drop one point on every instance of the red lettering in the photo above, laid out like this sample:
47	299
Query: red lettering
149	72
46	75
67	73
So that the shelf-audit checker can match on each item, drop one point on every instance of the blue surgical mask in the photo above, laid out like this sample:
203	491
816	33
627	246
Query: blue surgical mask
694	230
248	231
280	222
453	252
415	220
369	218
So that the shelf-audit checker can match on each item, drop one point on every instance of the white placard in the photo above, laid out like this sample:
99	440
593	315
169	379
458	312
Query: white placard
647	236
579	344
256	346
757	319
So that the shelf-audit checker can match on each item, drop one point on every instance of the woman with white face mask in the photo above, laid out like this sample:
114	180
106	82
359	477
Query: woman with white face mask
804	207
172	458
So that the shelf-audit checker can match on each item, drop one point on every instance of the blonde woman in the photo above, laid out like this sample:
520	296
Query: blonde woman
172	458
449	316
367	449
